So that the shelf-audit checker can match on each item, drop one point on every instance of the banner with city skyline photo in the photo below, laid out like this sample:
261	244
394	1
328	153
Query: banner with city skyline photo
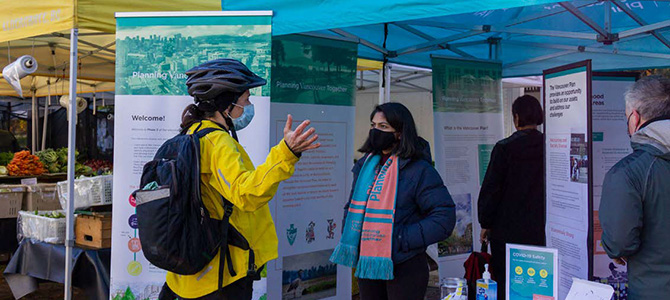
153	51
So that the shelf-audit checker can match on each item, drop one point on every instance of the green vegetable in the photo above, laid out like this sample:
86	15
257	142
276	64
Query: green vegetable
51	214
3	170
47	156
53	168
5	158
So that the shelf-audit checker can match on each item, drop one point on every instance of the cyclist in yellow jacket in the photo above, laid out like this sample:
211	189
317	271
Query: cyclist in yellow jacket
221	92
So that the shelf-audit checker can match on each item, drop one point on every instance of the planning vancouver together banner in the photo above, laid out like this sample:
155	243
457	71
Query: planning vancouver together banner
467	107
568	159
153	51
313	78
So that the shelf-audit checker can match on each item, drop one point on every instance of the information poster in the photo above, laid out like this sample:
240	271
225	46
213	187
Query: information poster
610	144
531	273
568	167
153	50
313	78
467	106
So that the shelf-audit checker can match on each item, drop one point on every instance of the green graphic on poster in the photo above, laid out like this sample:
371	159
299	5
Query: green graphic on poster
312	70
464	86
531	272
484	151
152	55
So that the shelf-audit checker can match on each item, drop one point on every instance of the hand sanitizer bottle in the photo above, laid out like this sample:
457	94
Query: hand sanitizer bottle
487	289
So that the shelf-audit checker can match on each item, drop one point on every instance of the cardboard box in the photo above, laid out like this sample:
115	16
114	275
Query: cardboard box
11	199
41	196
94	230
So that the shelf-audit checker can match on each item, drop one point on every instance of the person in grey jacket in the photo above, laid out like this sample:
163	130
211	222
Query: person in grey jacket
635	205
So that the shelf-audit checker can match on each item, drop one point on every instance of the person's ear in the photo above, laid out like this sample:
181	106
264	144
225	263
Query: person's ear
516	120
634	122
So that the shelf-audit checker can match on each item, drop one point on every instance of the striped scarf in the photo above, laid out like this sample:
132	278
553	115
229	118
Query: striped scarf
368	230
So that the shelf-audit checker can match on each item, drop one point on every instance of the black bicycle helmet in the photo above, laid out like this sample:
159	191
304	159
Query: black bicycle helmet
215	77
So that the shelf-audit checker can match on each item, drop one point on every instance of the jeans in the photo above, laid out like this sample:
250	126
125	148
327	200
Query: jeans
410	281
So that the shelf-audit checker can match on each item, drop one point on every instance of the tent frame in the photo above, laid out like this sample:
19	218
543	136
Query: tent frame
601	35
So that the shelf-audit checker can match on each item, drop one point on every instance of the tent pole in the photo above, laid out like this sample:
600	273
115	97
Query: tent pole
387	88
381	86
46	117
34	124
72	134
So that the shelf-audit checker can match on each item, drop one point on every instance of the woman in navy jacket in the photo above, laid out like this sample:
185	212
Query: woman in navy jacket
424	210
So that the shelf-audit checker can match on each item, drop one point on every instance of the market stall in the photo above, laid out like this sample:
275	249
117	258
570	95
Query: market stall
65	36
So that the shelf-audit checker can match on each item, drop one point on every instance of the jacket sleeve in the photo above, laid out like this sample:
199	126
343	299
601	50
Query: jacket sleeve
436	205
620	214
492	187
248	188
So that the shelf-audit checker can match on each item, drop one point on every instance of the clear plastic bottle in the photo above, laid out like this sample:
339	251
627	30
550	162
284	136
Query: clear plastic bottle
454	289
487	289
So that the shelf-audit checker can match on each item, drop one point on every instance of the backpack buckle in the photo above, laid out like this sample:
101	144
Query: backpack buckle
252	270
228	210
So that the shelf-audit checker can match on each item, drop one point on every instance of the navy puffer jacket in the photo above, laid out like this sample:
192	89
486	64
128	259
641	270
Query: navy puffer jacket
425	213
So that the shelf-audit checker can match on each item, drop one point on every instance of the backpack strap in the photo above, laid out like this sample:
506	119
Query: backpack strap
202	133
223	250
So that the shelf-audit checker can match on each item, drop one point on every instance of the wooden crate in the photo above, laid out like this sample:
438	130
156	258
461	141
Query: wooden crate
94	230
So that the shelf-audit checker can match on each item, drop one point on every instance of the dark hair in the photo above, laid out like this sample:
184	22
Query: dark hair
529	111
192	114
398	116
203	110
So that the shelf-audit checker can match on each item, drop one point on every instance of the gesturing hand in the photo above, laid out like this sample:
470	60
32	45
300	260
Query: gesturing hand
484	236
300	140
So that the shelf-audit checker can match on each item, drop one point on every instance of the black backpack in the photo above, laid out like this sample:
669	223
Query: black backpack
175	229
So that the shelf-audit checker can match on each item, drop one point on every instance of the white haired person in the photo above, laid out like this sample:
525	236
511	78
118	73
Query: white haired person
635	201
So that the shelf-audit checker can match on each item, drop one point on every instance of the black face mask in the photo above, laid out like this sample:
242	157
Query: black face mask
381	140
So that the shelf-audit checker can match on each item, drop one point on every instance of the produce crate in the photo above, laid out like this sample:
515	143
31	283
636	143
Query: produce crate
41	228
94	230
11	199
41	196
89	191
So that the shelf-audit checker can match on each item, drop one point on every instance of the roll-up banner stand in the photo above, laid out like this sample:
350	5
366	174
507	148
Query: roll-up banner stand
569	170
610	144
313	78
153	50
467	107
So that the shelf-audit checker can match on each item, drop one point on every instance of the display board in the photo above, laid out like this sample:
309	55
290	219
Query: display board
153	50
313	78
468	120
569	169
610	144
531	273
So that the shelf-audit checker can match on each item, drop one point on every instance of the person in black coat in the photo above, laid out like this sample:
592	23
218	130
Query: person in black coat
511	201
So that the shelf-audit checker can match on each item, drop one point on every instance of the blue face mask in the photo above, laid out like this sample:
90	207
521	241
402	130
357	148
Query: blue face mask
243	121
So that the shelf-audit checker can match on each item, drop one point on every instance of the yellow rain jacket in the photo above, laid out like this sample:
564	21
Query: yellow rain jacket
227	170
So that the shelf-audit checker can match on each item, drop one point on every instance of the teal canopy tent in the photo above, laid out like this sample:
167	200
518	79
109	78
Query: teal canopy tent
526	36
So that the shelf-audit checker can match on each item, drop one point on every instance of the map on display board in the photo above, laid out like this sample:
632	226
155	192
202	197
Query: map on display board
569	171
153	50
313	78
467	107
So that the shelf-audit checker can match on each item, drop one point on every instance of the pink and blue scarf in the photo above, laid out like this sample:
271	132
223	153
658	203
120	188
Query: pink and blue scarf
368	230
